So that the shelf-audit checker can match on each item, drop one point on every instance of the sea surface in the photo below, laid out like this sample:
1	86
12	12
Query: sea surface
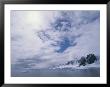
58	72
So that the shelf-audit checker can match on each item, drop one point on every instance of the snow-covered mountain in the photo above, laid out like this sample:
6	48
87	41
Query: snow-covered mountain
82	63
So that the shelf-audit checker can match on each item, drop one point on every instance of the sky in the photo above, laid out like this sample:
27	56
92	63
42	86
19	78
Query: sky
54	37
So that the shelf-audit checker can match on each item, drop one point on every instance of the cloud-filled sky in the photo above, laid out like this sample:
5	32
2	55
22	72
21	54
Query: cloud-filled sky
53	37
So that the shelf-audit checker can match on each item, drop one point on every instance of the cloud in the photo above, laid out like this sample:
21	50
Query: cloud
24	25
54	36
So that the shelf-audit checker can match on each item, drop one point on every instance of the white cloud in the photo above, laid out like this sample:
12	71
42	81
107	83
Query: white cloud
25	26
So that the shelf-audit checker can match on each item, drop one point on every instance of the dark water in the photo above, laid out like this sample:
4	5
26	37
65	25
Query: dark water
64	72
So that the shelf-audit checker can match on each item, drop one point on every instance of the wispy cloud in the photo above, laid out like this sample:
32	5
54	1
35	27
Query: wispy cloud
54	36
